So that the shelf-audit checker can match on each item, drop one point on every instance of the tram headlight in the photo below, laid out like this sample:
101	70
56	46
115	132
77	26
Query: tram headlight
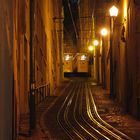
83	57
67	57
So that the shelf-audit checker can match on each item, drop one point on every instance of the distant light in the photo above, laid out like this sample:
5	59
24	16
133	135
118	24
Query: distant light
104	32
113	11
96	42
83	57
67	57
90	48
93	84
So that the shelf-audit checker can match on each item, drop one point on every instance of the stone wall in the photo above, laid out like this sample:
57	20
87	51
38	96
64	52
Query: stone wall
126	58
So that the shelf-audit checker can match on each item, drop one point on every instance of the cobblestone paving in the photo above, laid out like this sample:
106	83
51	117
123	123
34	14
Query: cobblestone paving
108	110
112	113
39	133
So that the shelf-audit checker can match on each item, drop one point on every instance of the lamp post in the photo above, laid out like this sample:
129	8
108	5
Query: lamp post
96	60
91	49
32	110
113	11
104	33
95	42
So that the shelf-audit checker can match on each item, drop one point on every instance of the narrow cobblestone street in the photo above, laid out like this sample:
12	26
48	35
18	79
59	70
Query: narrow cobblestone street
70	70
49	129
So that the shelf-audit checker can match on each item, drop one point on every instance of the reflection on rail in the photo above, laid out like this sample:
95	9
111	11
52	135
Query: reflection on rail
79	118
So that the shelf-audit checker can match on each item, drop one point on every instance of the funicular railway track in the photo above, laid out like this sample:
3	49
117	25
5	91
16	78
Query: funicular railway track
109	131
79	118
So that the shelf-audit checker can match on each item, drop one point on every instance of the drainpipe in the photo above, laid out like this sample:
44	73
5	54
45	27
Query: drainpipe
32	111
138	107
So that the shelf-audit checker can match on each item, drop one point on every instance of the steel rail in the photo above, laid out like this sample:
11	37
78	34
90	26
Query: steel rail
93	119
118	135
91	126
80	125
98	123
66	116
73	94
59	112
70	95
81	136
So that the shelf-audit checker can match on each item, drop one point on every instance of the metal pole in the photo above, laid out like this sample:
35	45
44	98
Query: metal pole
32	70
97	65
73	22
111	59
103	62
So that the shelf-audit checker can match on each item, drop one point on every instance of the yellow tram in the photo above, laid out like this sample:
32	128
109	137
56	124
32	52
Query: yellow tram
70	63
82	62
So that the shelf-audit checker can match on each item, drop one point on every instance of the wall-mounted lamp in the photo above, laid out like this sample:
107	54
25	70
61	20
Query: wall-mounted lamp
113	11
95	42
104	32
90	48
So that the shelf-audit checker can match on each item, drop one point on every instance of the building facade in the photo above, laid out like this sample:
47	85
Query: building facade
30	57
126	56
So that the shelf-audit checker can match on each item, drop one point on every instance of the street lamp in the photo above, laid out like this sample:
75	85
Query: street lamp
90	48
104	33
95	42
113	11
96	60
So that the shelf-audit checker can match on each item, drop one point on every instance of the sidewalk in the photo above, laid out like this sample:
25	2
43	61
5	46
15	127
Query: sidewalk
39	134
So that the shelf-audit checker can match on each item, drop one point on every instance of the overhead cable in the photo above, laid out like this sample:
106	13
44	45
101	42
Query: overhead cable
75	30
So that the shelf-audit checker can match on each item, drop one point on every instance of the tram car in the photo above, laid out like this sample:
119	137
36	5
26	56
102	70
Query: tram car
82	63
70	63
